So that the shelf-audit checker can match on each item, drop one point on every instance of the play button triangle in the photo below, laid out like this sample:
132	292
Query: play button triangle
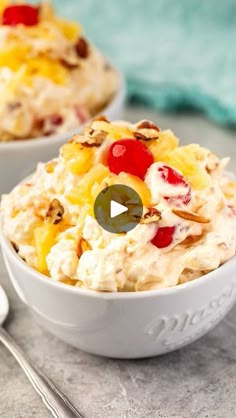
117	209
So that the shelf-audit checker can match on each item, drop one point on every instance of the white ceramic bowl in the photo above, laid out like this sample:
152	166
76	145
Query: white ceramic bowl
19	158
124	325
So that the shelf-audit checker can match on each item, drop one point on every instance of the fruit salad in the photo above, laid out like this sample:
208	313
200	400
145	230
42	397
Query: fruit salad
52	79
188	225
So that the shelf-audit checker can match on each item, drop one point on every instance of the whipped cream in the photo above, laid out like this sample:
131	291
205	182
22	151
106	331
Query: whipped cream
51	78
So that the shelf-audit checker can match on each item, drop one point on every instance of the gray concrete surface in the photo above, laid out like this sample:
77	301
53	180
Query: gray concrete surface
198	381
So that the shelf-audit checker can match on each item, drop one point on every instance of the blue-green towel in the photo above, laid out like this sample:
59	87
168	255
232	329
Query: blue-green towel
175	54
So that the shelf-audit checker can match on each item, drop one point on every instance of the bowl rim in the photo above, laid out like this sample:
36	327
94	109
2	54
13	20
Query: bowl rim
7	247
47	140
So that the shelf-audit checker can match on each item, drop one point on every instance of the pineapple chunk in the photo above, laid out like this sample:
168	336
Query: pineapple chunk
162	146
44	238
77	159
137	184
229	189
71	30
187	160
14	56
3	5
115	131
47	68
83	193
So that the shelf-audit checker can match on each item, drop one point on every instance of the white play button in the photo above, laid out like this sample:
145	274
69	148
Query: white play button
117	209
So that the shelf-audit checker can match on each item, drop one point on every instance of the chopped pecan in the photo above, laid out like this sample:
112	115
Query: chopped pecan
146	131
151	215
212	163
146	124
140	136
190	216
82	246
101	118
13	106
55	212
90	137
191	240
69	64
15	246
82	48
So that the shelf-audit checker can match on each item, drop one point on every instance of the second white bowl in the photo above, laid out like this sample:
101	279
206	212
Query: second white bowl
18	159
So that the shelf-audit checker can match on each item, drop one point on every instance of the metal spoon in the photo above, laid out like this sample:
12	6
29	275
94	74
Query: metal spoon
55	400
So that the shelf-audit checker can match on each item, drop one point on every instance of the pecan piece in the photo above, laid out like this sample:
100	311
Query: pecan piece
152	215
15	246
191	240
55	212
101	118
69	64
82	48
190	216
90	137
146	124
82	246
146	131
14	106
140	136
212	163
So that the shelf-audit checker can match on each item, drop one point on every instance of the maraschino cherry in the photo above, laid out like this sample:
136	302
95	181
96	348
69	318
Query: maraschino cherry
173	177
130	156
164	237
24	14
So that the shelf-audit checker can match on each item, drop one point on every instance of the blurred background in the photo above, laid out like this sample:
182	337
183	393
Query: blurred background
176	55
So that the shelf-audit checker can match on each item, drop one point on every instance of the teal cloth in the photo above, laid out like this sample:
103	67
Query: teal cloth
175	54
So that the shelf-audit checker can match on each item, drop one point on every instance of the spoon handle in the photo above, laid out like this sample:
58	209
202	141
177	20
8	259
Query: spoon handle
55	400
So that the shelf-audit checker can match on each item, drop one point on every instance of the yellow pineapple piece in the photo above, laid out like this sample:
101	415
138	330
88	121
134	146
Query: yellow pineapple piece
162	146
187	160
44	239
3	5
77	159
50	167
14	56
115	131
83	193
47	68
71	30
135	183
229	190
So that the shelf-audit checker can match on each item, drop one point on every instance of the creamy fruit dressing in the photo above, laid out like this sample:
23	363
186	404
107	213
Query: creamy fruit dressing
51	78
188	227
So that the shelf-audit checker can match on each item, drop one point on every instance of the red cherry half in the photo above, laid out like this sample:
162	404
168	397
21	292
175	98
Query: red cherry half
20	14
130	156
173	177
170	175
164	237
232	210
